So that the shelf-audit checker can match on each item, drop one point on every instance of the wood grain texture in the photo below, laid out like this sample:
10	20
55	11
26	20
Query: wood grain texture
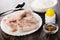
38	35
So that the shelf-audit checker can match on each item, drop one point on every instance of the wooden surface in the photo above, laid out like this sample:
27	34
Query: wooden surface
38	35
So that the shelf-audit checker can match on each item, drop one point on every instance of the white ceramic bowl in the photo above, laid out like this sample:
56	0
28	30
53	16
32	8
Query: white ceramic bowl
50	32
36	7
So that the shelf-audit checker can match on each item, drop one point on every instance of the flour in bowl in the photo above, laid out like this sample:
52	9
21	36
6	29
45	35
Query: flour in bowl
41	4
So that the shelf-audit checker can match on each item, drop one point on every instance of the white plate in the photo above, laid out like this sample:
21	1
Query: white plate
18	33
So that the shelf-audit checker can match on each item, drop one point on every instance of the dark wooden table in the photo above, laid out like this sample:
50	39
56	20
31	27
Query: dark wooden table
38	35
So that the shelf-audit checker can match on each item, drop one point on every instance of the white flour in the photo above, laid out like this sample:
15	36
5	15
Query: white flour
43	3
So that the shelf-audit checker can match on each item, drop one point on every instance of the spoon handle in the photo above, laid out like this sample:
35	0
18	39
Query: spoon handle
18	7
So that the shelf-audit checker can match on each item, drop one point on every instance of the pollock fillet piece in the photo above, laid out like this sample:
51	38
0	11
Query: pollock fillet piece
25	21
